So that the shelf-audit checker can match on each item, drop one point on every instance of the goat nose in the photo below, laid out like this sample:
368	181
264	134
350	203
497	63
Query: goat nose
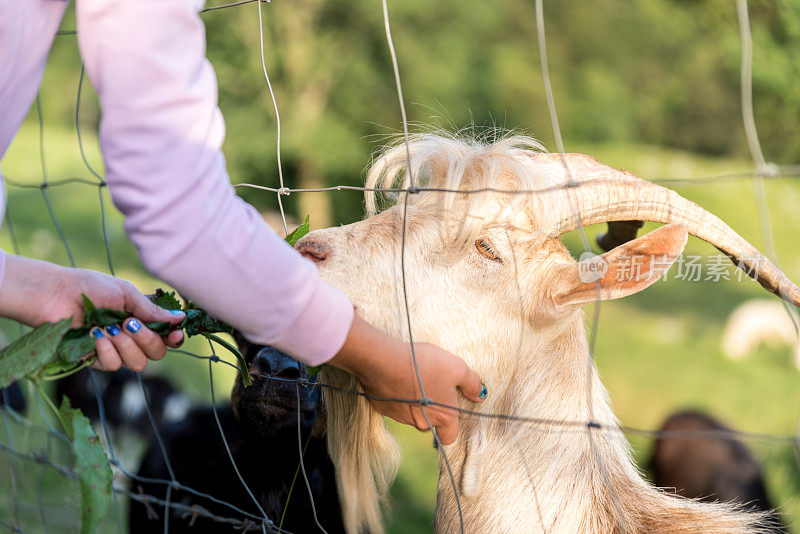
314	250
271	362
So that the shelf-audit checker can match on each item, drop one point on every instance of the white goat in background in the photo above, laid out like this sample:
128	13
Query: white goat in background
489	279
757	322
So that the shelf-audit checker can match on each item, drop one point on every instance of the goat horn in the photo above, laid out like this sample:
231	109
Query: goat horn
597	193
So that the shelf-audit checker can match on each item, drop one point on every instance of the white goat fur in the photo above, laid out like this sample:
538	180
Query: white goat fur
512	476
758	322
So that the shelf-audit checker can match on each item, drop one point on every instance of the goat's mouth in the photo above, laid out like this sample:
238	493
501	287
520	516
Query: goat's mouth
276	401
266	418
279	405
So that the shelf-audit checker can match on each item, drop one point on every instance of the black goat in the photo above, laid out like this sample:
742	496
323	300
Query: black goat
708	467
123	402
260	426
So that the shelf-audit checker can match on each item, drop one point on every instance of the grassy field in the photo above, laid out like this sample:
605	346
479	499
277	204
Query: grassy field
657	351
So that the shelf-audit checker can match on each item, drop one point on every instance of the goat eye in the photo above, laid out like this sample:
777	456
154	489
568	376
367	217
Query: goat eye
486	249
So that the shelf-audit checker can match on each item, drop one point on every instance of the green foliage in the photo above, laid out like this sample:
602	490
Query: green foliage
91	466
100	316
168	301
662	72
298	232
78	343
198	322
31	351
75	344
32	355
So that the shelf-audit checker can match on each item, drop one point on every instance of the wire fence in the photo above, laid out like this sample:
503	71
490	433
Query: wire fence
22	459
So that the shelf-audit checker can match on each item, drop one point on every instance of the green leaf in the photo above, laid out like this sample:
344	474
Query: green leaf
76	344
93	316
162	328
91	466
105	316
165	300
31	351
88	306
298	233
197	321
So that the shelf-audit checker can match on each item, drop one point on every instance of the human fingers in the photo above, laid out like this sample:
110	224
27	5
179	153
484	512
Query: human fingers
471	386
174	339
108	358
133	357
448	431
140	306
148	341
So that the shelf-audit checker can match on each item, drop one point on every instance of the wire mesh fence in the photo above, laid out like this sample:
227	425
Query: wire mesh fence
35	448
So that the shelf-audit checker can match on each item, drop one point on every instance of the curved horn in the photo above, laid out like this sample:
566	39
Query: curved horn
595	193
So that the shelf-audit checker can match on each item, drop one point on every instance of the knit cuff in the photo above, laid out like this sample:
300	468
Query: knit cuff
320	330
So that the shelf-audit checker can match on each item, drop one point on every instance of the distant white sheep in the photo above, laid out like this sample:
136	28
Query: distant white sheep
758	322
489	279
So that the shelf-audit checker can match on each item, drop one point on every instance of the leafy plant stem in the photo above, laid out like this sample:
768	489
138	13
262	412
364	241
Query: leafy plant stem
49	402
65	374
246	380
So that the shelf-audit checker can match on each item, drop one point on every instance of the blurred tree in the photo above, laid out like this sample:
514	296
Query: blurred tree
661	72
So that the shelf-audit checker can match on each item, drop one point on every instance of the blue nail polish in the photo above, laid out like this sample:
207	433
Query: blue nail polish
484	392
133	326
175	312
97	333
112	330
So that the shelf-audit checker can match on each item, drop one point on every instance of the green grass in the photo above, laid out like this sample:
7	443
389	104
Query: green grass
657	351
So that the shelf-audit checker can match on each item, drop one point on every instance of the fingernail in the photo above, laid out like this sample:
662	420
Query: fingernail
484	392
96	333
112	330
176	312
183	338
133	326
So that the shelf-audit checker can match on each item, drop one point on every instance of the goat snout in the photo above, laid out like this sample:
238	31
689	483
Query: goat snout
272	362
313	249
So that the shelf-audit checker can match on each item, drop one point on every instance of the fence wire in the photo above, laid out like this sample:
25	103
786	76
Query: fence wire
21	459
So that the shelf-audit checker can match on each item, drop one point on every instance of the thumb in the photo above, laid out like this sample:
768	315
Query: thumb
140	306
472	388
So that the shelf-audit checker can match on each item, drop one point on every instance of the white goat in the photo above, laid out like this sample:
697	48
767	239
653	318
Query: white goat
489	279
759	321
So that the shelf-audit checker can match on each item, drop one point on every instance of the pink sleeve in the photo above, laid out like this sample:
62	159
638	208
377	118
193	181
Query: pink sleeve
26	33
2	266
161	133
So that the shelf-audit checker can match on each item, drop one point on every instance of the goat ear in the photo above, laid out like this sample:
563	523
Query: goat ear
622	271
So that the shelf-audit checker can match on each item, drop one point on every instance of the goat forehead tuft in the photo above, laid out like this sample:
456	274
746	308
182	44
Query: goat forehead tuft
472	182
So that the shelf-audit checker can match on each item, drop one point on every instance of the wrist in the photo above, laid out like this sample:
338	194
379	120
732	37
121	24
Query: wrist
369	354
26	286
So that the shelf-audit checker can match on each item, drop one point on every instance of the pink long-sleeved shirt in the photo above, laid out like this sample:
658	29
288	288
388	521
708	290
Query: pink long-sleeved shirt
161	134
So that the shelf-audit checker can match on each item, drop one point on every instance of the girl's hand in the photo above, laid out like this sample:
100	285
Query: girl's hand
385	368
33	292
